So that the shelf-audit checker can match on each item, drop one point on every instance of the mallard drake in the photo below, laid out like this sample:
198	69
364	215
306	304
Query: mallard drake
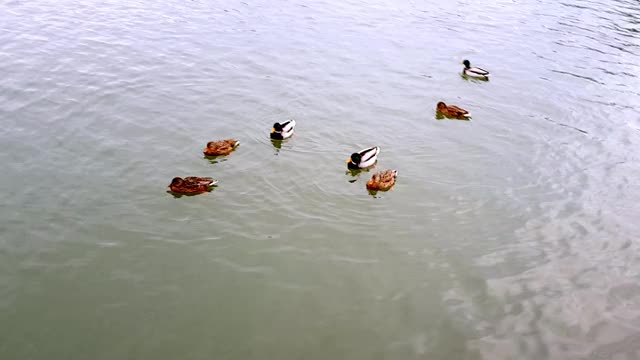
474	72
281	131
222	147
382	181
364	158
192	184
452	111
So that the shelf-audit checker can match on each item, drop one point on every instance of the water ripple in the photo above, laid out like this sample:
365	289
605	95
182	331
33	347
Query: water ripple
509	236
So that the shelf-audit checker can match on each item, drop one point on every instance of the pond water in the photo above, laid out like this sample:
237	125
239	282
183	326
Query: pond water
511	236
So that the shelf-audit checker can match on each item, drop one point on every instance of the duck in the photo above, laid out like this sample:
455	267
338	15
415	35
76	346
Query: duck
221	147
382	181
452	111
192	185
282	131
363	159
474	72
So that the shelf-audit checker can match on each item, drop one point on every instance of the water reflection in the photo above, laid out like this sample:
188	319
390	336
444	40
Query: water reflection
507	235
179	195
472	79
277	144
354	174
439	116
377	194
373	193
216	159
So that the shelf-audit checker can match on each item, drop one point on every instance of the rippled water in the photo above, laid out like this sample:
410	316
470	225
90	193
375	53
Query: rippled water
513	236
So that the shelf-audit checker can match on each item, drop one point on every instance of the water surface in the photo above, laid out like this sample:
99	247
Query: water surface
513	236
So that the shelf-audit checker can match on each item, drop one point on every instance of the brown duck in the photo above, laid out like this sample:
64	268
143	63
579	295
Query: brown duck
222	147
452	111
192	185
382	181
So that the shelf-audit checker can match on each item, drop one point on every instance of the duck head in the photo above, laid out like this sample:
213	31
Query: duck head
276	128
176	181
466	64
354	158
441	106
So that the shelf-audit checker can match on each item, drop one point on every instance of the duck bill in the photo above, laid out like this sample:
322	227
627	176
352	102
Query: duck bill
348	160
273	130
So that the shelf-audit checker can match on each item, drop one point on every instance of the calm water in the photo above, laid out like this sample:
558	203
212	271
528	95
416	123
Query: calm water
513	236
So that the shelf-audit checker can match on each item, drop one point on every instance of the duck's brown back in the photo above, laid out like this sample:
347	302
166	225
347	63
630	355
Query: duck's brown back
193	180
189	188
382	181
457	111
222	147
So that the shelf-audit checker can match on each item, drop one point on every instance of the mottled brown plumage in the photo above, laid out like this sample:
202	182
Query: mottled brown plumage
191	185
452	111
382	181
222	147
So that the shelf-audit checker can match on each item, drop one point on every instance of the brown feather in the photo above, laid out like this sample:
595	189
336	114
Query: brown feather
382	181
453	111
222	147
191	185
199	180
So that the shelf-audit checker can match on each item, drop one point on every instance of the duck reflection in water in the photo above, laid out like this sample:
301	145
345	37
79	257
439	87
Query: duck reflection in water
277	145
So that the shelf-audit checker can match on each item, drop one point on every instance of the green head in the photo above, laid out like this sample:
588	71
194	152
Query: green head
355	158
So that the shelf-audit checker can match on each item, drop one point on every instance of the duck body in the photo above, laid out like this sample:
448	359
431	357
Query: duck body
192	185
222	147
363	159
474	72
282	131
382	181
452	111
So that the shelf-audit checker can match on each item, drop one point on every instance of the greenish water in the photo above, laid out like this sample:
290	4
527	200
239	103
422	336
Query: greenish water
513	236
